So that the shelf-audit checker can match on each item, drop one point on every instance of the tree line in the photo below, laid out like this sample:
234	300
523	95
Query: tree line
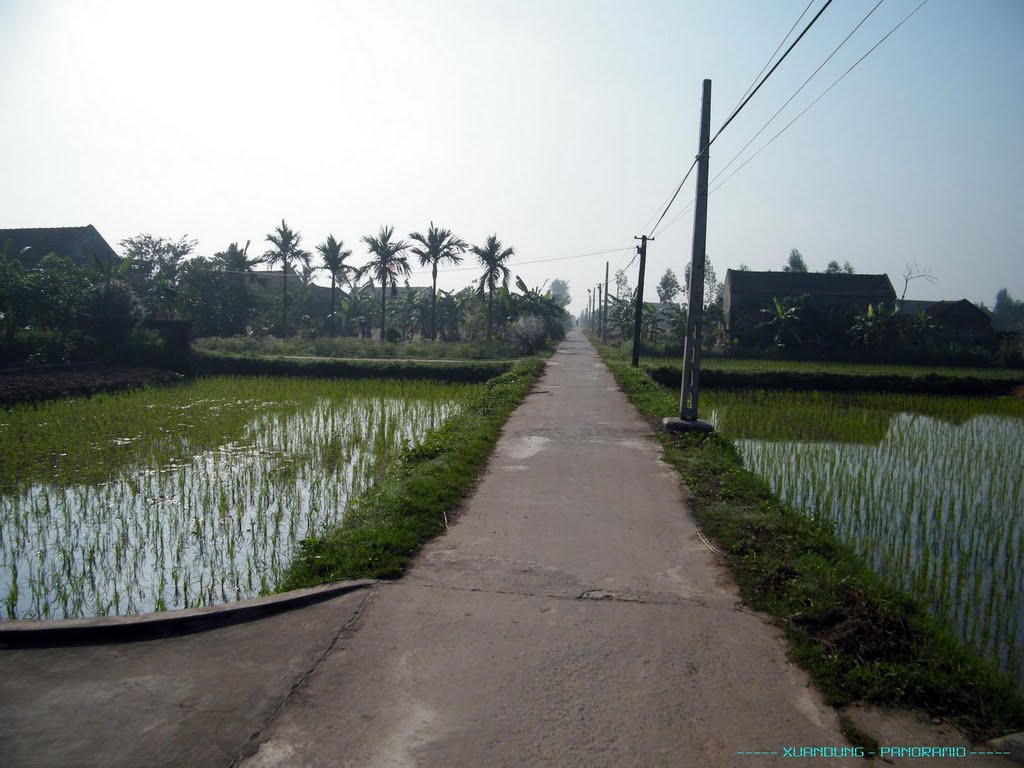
62	310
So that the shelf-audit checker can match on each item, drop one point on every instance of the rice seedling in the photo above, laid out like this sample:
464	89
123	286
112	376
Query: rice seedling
928	490
190	495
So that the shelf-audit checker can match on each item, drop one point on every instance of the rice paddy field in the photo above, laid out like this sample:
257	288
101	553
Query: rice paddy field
928	490
190	495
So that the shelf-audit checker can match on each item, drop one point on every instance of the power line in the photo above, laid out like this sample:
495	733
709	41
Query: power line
782	42
797	91
676	193
741	106
770	72
820	97
523	263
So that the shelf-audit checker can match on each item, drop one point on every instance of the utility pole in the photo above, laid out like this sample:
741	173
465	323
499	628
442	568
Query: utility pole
604	322
639	312
600	315
688	421
590	311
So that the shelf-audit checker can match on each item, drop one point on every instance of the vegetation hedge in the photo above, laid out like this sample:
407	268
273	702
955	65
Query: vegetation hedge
384	528
456	371
931	384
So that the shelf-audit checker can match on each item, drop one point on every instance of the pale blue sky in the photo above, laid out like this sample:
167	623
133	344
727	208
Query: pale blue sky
559	125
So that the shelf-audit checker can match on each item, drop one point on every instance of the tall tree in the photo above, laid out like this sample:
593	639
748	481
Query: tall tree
560	292
438	247
239	273
712	288
286	250
334	255
492	257
386	265
155	265
795	263
668	287
833	268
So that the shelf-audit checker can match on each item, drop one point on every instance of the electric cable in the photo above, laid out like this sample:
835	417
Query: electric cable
797	91
777	49
770	72
736	111
821	96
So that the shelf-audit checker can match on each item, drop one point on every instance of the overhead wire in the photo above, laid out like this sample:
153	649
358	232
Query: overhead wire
821	96
805	110
531	261
797	91
782	42
738	109
764	80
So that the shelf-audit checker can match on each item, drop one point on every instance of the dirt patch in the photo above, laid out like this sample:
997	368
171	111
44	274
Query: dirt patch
51	384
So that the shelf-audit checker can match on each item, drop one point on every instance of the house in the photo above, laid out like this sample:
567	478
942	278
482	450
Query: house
959	322
746	293
76	243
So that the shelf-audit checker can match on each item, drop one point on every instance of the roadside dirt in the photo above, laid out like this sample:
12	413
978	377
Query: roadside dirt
51	384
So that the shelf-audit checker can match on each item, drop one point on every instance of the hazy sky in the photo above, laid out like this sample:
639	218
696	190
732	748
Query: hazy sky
560	125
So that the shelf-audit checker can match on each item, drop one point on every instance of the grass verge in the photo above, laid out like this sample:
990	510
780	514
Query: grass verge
455	371
385	527
859	639
358	348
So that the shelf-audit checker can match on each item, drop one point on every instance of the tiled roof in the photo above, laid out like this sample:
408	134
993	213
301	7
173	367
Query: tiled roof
814	283
77	243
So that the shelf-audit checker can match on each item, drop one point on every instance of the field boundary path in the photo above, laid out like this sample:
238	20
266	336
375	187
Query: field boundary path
570	617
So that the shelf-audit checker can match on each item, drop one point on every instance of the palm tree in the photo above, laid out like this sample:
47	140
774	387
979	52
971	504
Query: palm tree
493	259
386	265
333	253
439	246
238	265
286	249
236	259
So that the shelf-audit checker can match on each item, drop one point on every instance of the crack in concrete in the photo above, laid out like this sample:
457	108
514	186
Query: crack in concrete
595	595
252	746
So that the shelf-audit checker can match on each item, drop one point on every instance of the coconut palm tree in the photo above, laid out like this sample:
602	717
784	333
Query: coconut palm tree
493	257
439	246
236	259
334	254
386	265
238	266
286	250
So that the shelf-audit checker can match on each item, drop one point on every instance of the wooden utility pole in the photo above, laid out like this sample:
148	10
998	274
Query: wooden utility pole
639	312
604	322
695	312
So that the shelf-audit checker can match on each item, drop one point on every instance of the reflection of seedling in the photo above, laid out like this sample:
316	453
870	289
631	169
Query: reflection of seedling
928	500
193	513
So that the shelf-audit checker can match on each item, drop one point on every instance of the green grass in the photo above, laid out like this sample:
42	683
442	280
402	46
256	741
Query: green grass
859	639
350	347
208	363
386	526
751	365
195	494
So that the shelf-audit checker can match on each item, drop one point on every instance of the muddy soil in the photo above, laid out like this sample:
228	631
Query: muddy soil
49	384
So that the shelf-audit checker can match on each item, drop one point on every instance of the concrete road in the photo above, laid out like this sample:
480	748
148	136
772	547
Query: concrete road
571	617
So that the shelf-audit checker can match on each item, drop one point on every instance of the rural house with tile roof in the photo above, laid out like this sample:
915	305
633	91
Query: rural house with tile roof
79	244
746	293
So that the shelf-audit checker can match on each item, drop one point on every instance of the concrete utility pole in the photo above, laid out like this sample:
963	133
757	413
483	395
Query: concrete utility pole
639	312
600	315
590	311
688	421
604	322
